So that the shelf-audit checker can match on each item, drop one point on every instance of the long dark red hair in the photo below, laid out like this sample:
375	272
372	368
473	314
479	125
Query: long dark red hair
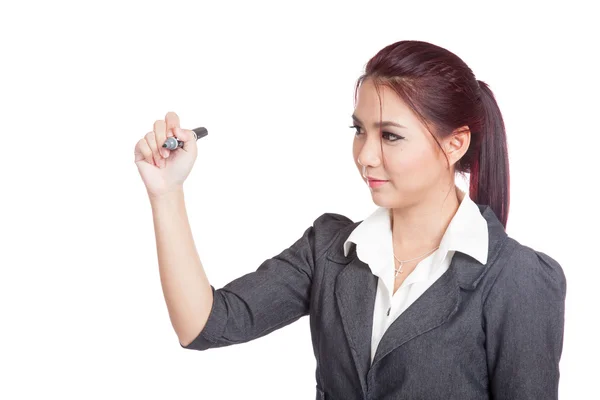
445	95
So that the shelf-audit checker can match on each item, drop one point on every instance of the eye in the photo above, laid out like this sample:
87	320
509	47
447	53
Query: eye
390	137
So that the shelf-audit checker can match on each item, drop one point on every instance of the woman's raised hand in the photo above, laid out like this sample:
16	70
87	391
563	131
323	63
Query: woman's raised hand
163	170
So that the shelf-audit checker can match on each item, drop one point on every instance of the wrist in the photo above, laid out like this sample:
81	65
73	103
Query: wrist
169	194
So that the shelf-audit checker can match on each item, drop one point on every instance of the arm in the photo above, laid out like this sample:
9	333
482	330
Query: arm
185	286
276	294
524	324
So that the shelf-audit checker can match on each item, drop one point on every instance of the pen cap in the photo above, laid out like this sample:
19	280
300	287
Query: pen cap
200	132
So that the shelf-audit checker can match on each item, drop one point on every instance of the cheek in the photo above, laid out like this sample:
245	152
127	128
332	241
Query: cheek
412	167
406	161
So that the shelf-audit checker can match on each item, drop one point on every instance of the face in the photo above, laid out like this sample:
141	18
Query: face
415	165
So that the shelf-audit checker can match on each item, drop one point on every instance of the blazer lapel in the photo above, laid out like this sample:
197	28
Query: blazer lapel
356	287
355	290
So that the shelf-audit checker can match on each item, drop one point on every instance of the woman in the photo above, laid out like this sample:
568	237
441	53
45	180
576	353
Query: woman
427	298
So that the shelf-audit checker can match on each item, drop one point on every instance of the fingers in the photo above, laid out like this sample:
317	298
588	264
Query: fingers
160	133
172	122
143	152
152	143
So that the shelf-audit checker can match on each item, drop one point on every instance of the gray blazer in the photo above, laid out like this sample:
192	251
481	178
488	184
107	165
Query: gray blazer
492	331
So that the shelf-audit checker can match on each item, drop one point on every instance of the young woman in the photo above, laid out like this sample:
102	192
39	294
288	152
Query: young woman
428	297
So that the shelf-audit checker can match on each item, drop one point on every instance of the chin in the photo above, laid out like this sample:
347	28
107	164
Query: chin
383	199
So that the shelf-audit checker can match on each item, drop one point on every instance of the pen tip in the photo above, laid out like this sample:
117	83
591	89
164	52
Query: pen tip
164	145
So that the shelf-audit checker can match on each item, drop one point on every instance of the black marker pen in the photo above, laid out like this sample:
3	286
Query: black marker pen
173	143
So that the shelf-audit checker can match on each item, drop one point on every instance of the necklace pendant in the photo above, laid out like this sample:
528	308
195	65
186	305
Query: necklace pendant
399	270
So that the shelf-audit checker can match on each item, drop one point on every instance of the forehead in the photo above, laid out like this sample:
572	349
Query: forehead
393	108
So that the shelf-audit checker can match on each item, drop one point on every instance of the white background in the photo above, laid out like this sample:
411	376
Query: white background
82	310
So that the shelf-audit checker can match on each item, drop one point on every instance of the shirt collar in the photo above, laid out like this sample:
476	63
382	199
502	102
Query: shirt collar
467	233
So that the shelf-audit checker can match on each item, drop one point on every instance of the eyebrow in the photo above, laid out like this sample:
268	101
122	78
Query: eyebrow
377	124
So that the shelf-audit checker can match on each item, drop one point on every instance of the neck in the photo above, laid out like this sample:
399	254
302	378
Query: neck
421	227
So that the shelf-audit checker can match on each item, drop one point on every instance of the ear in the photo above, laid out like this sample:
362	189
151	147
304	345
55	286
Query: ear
457	144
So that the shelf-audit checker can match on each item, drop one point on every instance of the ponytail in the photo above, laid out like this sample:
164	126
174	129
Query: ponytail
489	175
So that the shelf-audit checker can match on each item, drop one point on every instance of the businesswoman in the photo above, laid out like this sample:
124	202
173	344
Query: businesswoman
427	297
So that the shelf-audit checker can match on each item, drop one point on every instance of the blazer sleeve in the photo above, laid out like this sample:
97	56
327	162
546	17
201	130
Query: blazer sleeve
271	297
524	325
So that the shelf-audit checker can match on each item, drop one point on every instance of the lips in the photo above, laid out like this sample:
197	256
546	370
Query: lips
373	183
372	178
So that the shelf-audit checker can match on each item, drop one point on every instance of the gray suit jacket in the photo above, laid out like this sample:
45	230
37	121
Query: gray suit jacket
492	331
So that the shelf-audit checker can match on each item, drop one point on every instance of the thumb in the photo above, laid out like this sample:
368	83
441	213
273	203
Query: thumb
187	136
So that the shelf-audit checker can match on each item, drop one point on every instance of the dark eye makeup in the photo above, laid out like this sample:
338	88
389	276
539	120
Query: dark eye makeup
391	137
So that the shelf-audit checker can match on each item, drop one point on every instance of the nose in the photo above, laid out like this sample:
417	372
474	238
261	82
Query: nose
370	154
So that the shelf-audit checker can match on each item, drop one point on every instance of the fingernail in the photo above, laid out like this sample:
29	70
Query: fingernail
165	153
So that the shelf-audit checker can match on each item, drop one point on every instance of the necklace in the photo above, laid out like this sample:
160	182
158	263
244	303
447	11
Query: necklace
399	269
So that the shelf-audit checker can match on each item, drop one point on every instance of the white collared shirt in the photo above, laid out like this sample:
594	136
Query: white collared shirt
467	233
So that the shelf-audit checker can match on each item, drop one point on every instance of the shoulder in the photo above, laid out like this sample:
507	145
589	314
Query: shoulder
523	320
327	228
528	273
332	222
